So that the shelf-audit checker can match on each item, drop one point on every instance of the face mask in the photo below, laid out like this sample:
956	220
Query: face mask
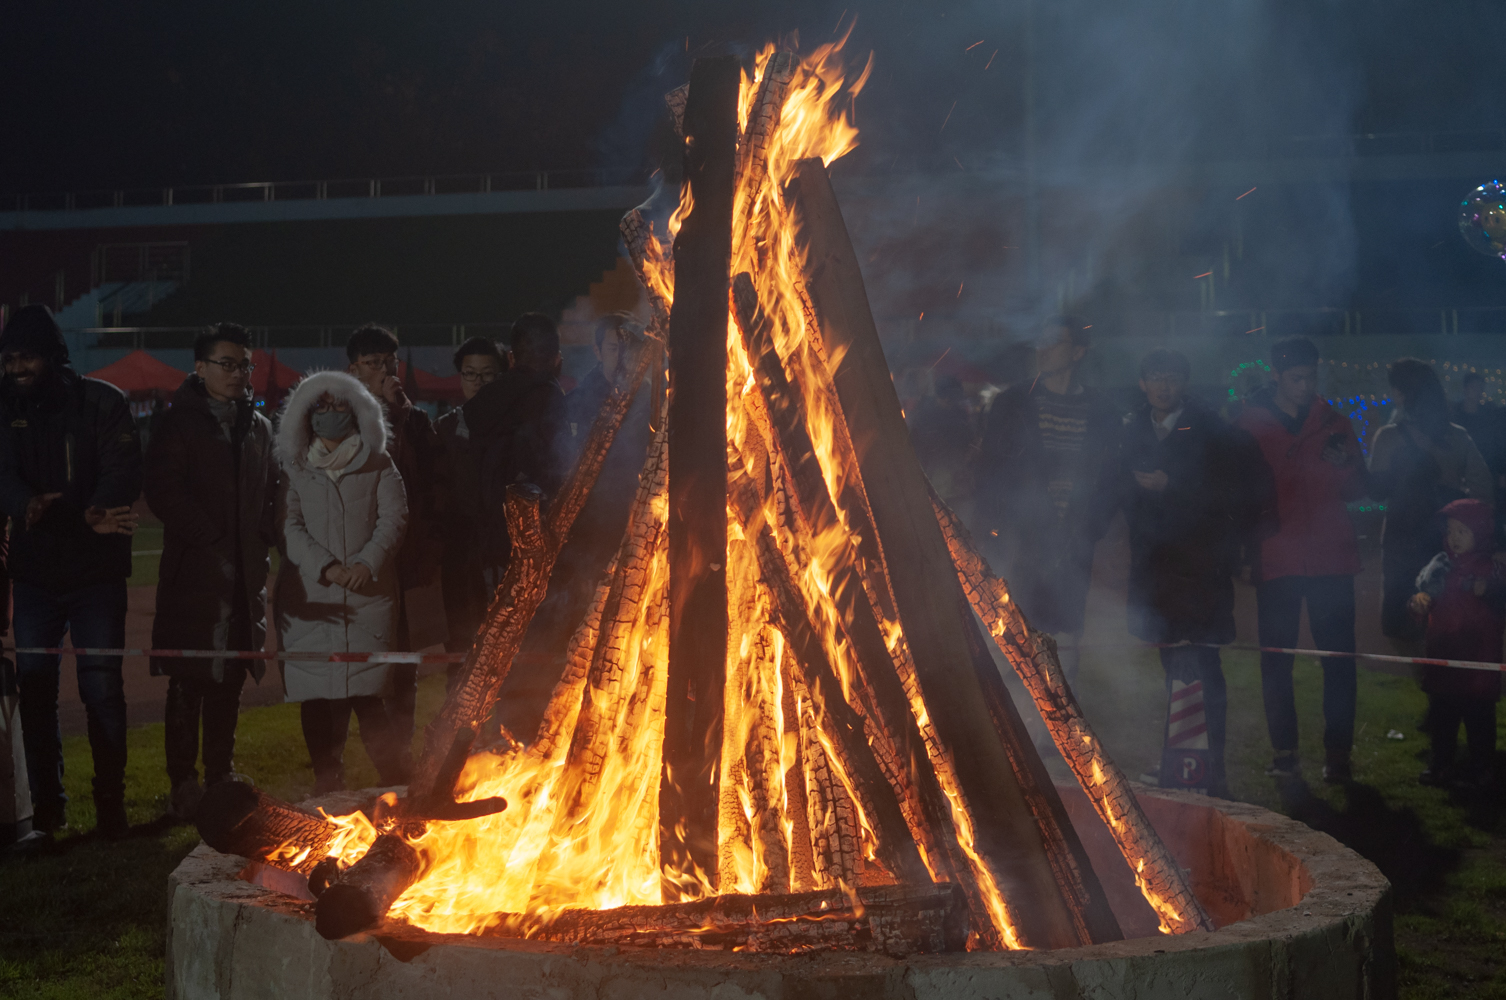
332	425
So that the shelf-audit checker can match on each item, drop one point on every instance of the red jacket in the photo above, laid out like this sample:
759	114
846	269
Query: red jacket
1313	535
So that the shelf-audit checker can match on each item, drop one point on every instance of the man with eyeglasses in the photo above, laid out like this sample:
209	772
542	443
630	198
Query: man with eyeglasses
479	362
211	476
70	469
414	449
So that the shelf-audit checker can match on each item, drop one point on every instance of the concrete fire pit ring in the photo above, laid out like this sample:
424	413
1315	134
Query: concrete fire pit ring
1300	915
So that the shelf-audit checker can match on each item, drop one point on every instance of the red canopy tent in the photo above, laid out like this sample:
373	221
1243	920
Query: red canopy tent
426	386
271	379
141	376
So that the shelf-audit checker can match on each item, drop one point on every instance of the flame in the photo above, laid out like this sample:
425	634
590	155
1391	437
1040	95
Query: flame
581	829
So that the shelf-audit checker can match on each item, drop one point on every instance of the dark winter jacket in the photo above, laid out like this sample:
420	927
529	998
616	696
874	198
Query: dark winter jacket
1047	556
462	516
1184	539
1307	530
71	435
413	447
519	434
217	500
1462	625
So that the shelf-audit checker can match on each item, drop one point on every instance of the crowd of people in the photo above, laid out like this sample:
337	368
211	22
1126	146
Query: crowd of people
389	531
387	523
1265	492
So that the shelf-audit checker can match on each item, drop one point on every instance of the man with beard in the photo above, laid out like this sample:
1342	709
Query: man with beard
211	476
70	468
414	449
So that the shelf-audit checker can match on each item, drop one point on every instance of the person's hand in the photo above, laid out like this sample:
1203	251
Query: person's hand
392	392
1420	604
357	575
111	520
337	574
1480	586
1336	456
38	506
1153	481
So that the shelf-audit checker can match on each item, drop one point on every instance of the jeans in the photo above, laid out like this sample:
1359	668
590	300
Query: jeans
219	704
1330	612
326	727
92	616
1202	663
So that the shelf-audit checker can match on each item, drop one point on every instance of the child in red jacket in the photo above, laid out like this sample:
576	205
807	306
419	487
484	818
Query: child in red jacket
1462	593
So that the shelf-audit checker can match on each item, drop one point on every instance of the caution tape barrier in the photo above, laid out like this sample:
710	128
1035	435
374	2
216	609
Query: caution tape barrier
244	654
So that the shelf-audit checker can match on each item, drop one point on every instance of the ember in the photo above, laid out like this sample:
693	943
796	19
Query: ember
779	726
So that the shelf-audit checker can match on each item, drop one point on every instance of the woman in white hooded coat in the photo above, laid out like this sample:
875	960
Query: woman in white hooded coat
341	512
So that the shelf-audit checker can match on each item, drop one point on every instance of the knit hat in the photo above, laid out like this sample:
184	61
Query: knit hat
1477	516
1294	352
33	329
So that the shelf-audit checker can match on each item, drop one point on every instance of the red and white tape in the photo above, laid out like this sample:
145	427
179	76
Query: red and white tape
241	654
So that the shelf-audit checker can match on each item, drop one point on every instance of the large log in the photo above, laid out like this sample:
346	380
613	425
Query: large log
236	818
697	524
1033	657
1005	837
897	920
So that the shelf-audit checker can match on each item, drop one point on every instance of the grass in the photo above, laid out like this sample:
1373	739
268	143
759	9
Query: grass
87	918
146	554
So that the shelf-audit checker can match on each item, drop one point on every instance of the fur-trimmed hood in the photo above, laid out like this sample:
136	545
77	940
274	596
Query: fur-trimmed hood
293	433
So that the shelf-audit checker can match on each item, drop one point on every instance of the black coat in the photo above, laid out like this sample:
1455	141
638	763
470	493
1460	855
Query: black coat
1047	558
1184	540
462	520
217	505
71	435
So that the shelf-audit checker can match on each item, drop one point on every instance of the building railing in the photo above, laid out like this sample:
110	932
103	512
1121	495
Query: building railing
161	338
365	187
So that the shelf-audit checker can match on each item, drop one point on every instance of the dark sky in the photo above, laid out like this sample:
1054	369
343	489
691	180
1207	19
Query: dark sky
108	94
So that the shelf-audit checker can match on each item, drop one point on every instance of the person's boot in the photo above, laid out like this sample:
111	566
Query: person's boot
51	820
184	799
1337	768
1284	766
110	818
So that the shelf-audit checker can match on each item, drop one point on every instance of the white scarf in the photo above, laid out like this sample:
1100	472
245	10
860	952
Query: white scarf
334	462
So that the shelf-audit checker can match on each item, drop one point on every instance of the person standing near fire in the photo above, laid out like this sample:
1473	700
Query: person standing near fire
414	448
341	514
70	469
211	477
479	362
1182	479
1046	485
1308	552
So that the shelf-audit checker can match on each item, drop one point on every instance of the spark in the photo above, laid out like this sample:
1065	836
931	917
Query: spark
1251	191
990	59
959	291
839	20
1203	275
948	116
1435	246
1256	330
922	316
973	46
1088	327
943	354
959	163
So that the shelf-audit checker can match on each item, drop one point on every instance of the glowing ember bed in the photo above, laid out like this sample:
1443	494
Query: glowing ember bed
1298	915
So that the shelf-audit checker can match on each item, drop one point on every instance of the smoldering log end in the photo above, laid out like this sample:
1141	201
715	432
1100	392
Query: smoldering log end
224	813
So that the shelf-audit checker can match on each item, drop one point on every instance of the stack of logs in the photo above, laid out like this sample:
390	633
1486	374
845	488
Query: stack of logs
921	753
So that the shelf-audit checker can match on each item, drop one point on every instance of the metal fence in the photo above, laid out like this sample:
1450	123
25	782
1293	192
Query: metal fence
155	338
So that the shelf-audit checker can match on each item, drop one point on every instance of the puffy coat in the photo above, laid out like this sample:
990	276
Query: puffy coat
74	436
1184	539
359	518
217	504
1308	531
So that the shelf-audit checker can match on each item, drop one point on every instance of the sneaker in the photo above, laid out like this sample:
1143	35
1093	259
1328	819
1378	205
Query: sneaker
1285	765
184	799
51	821
1337	769
110	820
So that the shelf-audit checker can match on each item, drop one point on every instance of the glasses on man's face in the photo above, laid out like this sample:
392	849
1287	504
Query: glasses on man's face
467	375
338	406
230	367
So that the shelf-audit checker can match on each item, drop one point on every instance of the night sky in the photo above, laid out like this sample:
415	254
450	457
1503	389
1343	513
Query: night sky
99	95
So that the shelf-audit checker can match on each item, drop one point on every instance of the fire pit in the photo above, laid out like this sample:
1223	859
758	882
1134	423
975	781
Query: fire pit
1298	915
778	728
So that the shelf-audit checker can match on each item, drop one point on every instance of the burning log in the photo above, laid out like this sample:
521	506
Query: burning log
361	895
896	920
237	818
1034	659
1032	906
697	524
564	703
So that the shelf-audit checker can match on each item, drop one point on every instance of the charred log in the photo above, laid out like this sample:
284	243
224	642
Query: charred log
237	818
361	895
